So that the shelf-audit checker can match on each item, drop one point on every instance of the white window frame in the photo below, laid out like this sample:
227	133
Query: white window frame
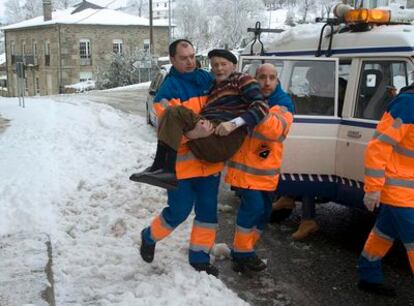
118	46
86	54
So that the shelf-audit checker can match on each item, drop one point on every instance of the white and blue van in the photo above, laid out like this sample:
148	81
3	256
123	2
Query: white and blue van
355	64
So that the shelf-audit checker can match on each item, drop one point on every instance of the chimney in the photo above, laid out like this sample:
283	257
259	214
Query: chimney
47	10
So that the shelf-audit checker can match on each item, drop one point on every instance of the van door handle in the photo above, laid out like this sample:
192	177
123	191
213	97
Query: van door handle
354	134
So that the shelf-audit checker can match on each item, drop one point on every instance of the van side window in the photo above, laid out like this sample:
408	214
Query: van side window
312	87
376	80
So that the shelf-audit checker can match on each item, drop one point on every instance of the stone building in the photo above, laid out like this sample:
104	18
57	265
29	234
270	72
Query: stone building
69	46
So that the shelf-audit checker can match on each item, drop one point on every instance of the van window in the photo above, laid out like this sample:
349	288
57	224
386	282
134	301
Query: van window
312	87
377	78
250	66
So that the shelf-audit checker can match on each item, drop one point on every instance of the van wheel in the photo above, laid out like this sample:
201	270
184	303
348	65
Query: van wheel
280	215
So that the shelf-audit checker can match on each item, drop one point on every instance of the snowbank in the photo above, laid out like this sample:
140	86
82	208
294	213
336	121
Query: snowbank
64	169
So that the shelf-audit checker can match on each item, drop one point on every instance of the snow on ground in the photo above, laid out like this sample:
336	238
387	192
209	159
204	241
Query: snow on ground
64	169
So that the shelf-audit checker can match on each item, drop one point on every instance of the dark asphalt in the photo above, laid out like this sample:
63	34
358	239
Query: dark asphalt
318	271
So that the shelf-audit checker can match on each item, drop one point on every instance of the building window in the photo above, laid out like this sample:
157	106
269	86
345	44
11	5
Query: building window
117	46
85	52
85	76
165	4
47	53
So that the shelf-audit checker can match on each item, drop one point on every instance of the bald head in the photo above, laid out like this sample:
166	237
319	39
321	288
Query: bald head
266	75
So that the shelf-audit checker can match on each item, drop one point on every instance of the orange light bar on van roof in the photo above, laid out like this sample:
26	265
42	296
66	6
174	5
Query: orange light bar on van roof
367	16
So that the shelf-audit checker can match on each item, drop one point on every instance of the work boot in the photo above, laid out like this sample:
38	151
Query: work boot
378	289
206	267
253	263
284	203
146	250
306	228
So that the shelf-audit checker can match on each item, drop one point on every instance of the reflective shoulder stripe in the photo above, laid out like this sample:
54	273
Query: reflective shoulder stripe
283	109
384	138
251	170
409	247
284	123
185	157
262	137
403	151
397	123
164	103
374	172
399	182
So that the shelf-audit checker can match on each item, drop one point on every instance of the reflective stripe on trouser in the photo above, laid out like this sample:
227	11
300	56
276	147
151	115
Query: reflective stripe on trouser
203	236
392	222
252	216
200	192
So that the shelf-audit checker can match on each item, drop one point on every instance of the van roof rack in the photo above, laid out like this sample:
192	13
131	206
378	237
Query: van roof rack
330	22
257	30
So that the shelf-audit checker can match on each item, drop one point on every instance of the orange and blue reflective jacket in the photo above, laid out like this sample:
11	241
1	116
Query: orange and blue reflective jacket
389	157
189	90
257	164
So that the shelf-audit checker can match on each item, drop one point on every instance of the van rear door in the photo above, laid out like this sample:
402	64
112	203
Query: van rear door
309	155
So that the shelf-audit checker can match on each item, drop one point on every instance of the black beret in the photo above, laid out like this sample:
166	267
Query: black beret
224	54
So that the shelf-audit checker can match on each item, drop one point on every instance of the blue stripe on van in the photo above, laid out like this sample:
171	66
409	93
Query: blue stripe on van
336	121
359	124
317	120
344	51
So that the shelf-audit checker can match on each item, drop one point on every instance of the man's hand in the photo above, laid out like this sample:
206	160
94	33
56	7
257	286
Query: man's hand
203	128
372	200
225	128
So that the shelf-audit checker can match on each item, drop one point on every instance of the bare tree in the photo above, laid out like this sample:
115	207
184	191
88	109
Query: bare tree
305	8
13	11
234	17
327	6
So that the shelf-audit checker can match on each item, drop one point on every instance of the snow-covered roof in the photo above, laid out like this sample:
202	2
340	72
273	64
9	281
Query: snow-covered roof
87	16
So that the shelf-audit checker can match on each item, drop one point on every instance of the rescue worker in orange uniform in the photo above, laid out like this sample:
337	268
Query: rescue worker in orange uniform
389	185
198	181
254	171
